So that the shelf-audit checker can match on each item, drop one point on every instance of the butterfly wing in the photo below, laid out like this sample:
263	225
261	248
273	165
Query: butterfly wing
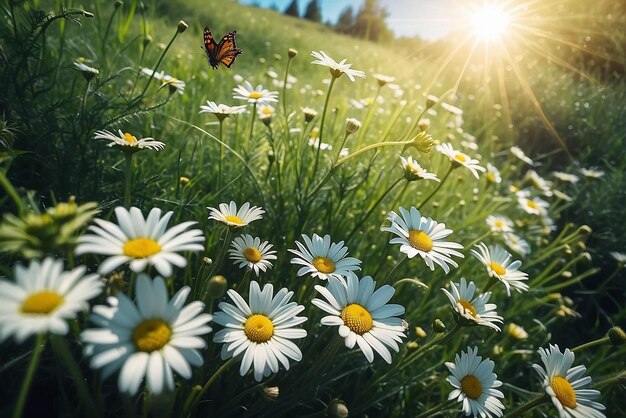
210	48
227	50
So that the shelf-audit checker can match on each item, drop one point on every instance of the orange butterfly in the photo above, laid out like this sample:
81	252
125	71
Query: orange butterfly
225	52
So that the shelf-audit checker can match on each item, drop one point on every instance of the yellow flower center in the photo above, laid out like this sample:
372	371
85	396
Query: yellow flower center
151	335
255	95
531	204
266	111
491	178
563	391
252	254
131	139
460	158
420	240
471	386
497	268
498	223
357	318
468	307
141	247
41	303
235	219
323	265
258	328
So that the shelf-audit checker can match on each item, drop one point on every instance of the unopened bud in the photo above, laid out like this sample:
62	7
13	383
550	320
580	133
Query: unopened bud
423	142
147	40
412	345
292	52
337	409
183	180
585	229
309	114
182	26
439	326
419	331
423	124
431	101
352	125
217	286
617	335
118	3
270	393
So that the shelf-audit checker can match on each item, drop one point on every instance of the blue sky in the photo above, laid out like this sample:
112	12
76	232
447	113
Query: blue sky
429	19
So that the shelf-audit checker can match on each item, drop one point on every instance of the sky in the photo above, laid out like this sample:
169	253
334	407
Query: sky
428	19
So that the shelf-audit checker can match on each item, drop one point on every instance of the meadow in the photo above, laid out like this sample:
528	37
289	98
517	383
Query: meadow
292	236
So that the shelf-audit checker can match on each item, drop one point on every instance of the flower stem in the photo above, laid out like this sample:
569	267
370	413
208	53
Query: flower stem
220	257
394	269
435	409
285	94
219	163
129	179
321	134
599	341
197	395
517	412
30	372
6	184
251	123
443	180
157	65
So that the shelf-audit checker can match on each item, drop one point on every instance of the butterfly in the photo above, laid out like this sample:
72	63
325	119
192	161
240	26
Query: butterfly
225	52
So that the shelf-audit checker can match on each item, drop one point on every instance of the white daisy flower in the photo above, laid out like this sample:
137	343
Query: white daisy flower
619	257
499	223
452	109
566	386
364	317
475	382
254	94
493	174
129	142
150	338
516	244
539	182
315	143
460	159
422	236
265	112
234	218
470	309
566	177
413	171
518	153
534	206
221	111
322	258
336	68
499	265
87	71
261	332
175	85
591	173
309	113
43	297
140	242
382	79
251	253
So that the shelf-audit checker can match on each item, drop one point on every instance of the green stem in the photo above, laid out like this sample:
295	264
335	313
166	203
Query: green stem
517	412
30	372
443	180
394	269
6	184
321	134
599	341
157	65
83	102
197	395
220	256
285	94
424	348
129	179
251	124
618	378
371	147
435	409
219	163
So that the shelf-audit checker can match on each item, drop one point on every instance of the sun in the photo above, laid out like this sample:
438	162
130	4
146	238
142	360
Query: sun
490	22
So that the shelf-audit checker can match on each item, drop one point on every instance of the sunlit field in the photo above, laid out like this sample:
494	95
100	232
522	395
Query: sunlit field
321	225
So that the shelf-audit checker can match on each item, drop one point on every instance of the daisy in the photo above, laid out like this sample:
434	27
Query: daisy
534	206
315	143
518	153
499	265
591	173
382	79
260	333
539	182
140	242
309	113
251	253
254	94
337	69
129	142
470	309
499	223
43	297
422	236
175	85
150	338
413	171
566	177
516	244
566	386
322	258
475	382
234	218
364	317
87	71
460	159
265	112
493	174
619	257
221	111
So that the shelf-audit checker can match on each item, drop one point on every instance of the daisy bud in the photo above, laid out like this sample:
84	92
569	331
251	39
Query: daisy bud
207	261
182	26
497	349
423	124
423	142
87	14
566	274
431	101
617	336
118	3
337	409
581	246
439	326
419	331
309	114
270	393
412	345
292	52
147	40
184	180
516	331
352	125
217	286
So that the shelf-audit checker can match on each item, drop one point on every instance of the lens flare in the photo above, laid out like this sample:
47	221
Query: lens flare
490	22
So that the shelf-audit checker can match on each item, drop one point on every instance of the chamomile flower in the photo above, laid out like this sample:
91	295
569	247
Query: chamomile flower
315	143
140	242
43	297
175	85
619	257
337	69
470	310
493	174
499	265
518	153
221	111
460	159
87	71
128	141
260	333
539	182
229	215
566	177
566	386
499	223
422	236
516	244
252	253
382	79
149	339
265	112
475	382
533	206
254	94
591	173
363	315
413	171
322	258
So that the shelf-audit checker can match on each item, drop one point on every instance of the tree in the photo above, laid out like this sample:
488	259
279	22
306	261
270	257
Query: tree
292	9
345	22
369	22
313	12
